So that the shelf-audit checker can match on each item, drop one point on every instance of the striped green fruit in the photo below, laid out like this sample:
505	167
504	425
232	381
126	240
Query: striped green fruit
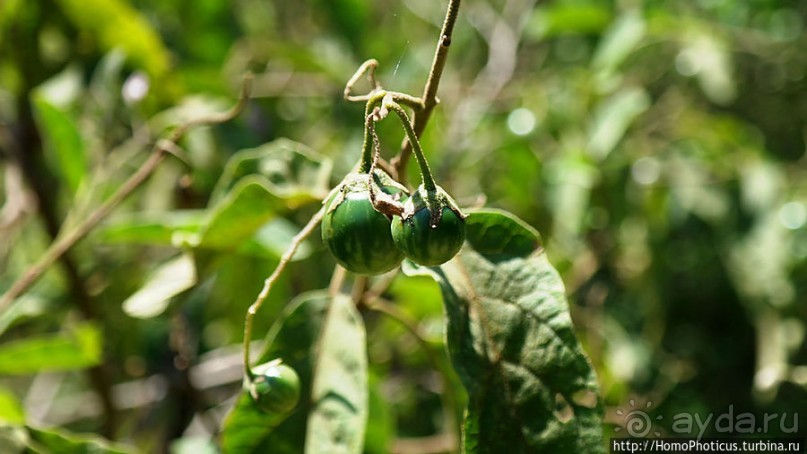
357	235
275	387
432	228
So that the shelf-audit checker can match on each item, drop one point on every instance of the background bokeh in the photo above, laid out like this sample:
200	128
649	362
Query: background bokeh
659	148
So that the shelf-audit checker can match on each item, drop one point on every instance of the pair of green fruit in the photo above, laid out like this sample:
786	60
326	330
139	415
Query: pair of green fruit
430	230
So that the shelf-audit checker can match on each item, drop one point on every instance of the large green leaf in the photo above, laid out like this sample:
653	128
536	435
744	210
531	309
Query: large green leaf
290	171
510	337
77	348
339	393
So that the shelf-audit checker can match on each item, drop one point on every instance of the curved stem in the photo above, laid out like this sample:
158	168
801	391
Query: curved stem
267	284
367	146
425	172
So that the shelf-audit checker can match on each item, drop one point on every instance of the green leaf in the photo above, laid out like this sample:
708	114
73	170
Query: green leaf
619	41
612	119
25	307
10	409
272	240
76	349
560	20
62	140
339	393
115	24
290	171
167	281
510	337
161	229
62	442
246	425
498	235
238	216
293	337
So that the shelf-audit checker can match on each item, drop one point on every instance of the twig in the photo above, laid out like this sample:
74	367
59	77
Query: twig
267	284
429	97
63	243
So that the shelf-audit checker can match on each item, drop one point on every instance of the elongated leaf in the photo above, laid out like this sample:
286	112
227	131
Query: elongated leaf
115	24
510	338
167	281
612	119
78	348
339	394
162	229
54	440
290	171
62	142
10	408
293	337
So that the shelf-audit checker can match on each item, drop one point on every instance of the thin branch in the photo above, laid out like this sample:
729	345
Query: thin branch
267	284
430	90
64	243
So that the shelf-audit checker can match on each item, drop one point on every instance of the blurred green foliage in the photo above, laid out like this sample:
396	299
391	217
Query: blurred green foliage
657	146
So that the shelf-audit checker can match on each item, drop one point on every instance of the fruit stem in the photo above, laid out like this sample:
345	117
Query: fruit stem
373	99
425	172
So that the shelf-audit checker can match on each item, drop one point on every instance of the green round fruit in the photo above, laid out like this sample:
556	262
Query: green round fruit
426	237
357	235
275	387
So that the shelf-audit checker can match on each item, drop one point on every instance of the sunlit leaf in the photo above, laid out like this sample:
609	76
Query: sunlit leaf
290	171
531	387
62	141
612	119
10	408
559	19
238	216
167	281
165	228
77	348
115	24
339	393
619	40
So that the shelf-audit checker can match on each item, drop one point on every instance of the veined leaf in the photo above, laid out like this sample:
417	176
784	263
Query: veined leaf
339	394
531	387
289	170
62	142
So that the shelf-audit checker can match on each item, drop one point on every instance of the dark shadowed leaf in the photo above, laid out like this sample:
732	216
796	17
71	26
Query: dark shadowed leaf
498	235
510	337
